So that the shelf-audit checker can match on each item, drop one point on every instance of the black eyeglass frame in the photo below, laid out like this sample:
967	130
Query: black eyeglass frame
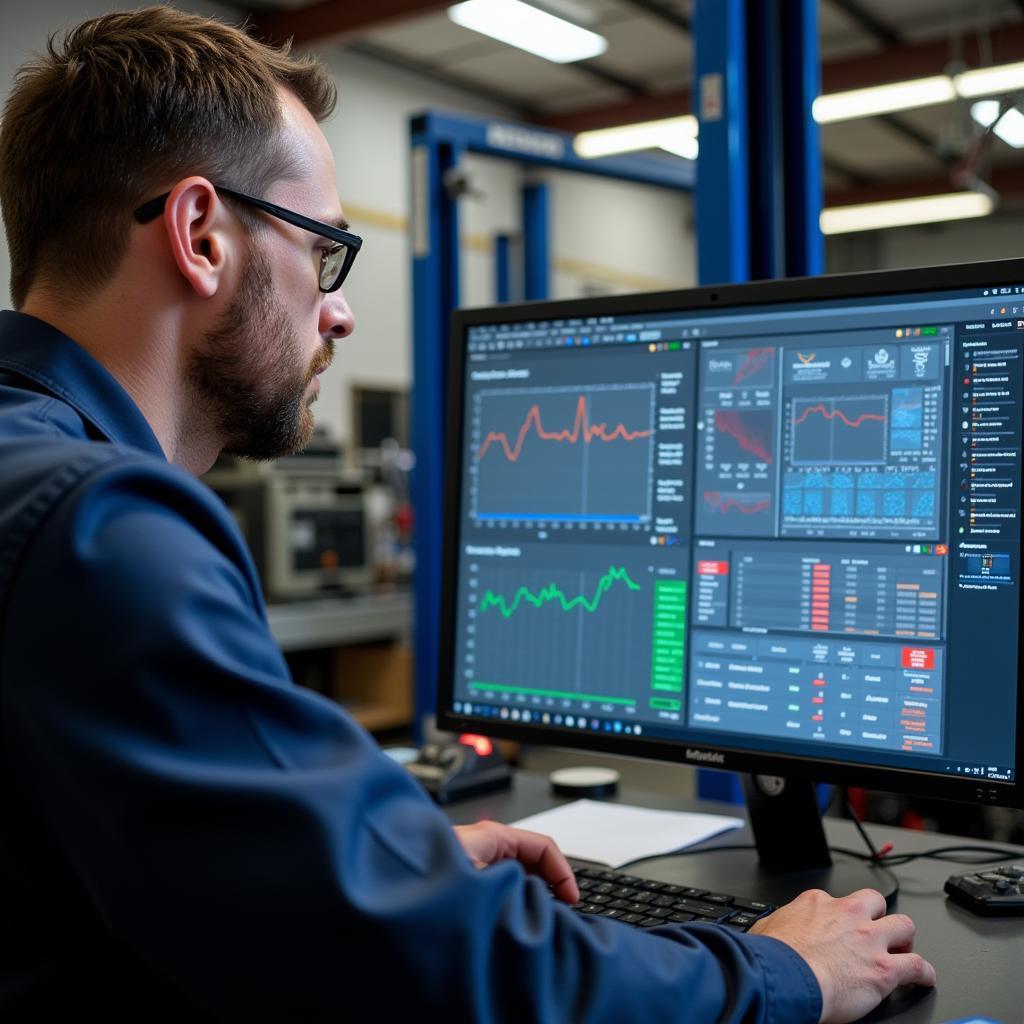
353	243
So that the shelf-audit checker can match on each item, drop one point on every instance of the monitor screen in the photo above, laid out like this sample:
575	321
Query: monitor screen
771	527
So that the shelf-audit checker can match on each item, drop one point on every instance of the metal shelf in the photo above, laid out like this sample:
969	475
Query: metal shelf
332	621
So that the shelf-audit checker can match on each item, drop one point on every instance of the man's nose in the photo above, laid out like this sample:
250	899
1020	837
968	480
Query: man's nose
336	319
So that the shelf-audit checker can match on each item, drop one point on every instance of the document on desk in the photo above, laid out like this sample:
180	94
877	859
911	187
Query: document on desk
617	834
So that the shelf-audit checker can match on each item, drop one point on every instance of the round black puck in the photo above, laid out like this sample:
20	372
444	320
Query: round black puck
593	783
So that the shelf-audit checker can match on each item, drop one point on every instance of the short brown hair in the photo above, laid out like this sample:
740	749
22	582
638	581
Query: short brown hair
121	108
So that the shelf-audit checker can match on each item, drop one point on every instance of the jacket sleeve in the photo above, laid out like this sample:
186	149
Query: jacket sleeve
247	838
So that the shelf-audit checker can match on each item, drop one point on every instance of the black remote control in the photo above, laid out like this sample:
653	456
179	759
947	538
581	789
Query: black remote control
991	893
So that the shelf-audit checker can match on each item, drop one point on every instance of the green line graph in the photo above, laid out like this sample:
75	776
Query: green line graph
551	593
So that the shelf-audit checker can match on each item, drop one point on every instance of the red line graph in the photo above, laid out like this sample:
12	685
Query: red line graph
724	505
730	422
838	414
582	430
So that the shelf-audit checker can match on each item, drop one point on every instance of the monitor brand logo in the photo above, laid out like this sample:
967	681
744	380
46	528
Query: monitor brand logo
707	756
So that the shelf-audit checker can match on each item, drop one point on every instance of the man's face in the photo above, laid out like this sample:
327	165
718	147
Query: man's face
256	370
252	371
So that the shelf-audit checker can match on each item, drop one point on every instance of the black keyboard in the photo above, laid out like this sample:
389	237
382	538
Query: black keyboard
644	903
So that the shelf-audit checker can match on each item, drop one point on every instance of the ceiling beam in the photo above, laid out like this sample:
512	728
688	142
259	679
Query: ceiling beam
336	20
893	64
1007	181
870	23
602	74
917	60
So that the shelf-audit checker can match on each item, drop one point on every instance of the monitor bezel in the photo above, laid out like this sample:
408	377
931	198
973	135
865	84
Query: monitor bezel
910	781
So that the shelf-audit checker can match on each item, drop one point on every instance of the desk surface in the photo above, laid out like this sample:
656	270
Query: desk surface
977	959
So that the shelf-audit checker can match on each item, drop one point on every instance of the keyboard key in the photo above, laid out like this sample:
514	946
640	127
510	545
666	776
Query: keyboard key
598	897
631	918
752	906
663	901
622	892
650	922
718	897
651	885
743	921
681	918
659	911
691	906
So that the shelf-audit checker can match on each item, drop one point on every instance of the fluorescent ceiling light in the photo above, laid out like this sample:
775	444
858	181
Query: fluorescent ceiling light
901	212
676	134
986	81
985	112
530	29
883	99
1009	127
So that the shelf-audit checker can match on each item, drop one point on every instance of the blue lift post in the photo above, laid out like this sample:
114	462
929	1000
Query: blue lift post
503	286
439	140
759	189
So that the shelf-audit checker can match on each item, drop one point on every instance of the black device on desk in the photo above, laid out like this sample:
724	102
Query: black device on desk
459	768
770	527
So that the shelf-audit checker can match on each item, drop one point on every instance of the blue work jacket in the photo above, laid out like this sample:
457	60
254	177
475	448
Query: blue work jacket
187	835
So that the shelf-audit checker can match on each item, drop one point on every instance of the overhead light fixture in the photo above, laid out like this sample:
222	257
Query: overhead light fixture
1009	127
883	99
839	220
988	81
675	134
529	28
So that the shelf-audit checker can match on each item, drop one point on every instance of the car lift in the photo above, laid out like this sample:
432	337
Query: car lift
758	199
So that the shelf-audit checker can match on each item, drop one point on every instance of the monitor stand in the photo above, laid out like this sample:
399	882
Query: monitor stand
791	852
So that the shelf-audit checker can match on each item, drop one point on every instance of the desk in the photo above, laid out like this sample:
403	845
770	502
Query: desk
978	960
332	621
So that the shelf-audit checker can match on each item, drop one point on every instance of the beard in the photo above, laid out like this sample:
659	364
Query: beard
246	374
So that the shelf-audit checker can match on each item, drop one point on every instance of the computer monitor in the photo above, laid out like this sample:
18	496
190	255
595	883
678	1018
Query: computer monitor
770	527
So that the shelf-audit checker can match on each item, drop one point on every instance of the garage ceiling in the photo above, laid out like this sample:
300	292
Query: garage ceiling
646	71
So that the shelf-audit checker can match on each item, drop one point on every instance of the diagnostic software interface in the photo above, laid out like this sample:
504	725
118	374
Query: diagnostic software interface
790	529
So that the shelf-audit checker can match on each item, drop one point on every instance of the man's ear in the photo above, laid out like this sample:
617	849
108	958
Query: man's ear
195	220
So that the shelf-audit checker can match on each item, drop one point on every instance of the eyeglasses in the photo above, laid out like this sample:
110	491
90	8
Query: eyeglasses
335	262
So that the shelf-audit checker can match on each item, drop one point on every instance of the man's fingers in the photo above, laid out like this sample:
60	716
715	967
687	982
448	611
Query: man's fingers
899	932
912	969
870	901
541	856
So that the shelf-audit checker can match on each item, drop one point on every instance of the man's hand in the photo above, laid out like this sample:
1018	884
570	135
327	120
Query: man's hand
487	842
857	954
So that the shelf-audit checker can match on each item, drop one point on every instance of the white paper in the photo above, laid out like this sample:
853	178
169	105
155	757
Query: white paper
616	834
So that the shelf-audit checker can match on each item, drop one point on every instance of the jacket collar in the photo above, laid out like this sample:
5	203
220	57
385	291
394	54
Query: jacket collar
35	350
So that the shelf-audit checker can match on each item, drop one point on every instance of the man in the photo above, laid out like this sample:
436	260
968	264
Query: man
184	834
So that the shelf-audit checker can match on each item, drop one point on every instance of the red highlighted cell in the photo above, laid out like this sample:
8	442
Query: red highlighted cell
709	568
922	658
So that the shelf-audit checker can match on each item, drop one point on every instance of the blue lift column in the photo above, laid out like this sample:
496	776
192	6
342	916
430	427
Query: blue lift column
435	249
536	242
759	189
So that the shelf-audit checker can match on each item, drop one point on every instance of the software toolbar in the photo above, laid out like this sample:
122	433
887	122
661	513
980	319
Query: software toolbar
794	533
